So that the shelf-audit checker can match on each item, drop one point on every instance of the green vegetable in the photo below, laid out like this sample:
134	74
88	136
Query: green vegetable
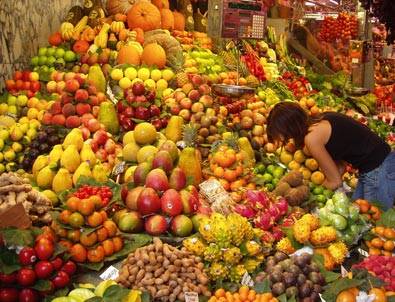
338	221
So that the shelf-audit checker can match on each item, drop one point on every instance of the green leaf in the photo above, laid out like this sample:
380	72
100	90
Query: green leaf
132	242
282	298
95	299
333	289
115	293
92	266
145	297
328	275
9	262
391	299
387	218
292	299
42	285
17	237
59	249
263	287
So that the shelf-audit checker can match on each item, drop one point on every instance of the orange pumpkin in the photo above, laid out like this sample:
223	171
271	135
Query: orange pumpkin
128	55
144	15
120	17
123	34
119	6
167	19
88	34
179	21
81	46
154	55
140	35
55	39
161	3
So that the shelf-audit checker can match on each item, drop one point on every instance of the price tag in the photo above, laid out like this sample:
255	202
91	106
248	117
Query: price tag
322	299
309	87
111	273
119	168
191	297
111	95
247	280
355	60
363	252
343	271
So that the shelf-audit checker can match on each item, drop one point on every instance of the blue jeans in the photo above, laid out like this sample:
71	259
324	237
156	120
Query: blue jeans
378	184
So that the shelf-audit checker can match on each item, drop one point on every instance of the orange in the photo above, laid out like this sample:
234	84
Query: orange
244	290
389	233
379	293
111	228
76	220
374	252
212	299
377	242
97	201
95	255
95	219
220	292
354	291
389	245
229	297
88	239
74	235
66	244
219	172
266	297
230	175
363	205
369	244
72	203
108	246
379	230
64	216
222	299
78	253
375	212
104	215
118	243
251	295
273	300
346	296
86	207
386	253
102	234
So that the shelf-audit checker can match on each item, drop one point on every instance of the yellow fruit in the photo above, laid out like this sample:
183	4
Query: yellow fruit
129	173
311	164
129	152
167	74
74	138
125	83
55	154
131	73
82	170
40	162
99	173
87	155
299	157
317	177
156	75
128	138
116	74
143	73
294	165
145	133
145	153
70	158
51	195
285	157
45	177
150	84
306	173
162	85
62	181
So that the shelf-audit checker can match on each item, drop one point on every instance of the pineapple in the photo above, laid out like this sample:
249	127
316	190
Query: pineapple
301	231
206	229
285	246
329	262
212	253
338	251
217	271
232	255
323	235
181	78
194	245
189	135
237	272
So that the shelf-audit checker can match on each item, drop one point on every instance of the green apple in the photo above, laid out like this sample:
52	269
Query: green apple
51	60
42	51
42	60
11	100
34	61
70	56
59	53
51	51
60	61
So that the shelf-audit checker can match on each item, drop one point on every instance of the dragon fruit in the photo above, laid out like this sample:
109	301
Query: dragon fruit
264	221
245	211
277	233
257	199
282	206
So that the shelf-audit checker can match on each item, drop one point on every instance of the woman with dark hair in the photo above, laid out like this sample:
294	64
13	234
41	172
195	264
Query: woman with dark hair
334	139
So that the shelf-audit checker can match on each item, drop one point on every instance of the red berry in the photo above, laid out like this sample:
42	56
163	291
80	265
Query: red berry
26	276
69	267
61	280
43	269
27	256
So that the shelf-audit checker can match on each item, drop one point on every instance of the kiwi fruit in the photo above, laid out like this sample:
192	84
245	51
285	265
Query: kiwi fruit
276	276
280	256
286	263
289	279
314	277
293	269
314	267
317	288
292	291
301	279
314	297
304	290
278	289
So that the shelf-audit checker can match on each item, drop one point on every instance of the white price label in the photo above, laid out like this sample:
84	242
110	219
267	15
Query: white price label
343	271
247	280
363	252
191	297
111	273
322	299
355	60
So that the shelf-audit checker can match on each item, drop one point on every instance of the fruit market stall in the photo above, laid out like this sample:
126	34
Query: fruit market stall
135	165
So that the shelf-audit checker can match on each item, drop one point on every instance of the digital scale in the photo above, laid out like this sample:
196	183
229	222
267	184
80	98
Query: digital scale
236	19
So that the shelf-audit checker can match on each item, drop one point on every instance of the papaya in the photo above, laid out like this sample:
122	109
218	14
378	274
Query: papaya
108	117
189	162
245	145
174	128
96	76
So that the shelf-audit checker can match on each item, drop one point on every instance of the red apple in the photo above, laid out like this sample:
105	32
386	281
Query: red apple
171	203
100	137
138	88
154	110
109	146
157	180
72	85
81	95
148	202
132	197
142	113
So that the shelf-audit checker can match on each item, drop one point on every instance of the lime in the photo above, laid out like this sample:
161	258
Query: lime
320	198
34	61
2	168
1	144
42	51
270	187
60	61
51	60
267	177
328	193
70	56
275	181
260	169
270	169
42	60
59	53
318	190
51	51
17	147
278	172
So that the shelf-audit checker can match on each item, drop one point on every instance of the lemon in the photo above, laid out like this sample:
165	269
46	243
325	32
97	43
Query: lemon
32	113
3	108
156	75
161	84
9	155
125	83
167	74
150	84
116	74
24	120
166	92
17	147
143	73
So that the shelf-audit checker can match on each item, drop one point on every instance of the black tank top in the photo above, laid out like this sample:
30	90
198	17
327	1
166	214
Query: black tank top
355	143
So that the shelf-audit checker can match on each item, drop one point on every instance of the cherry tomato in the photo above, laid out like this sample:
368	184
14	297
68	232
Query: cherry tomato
57	263
28	295
7	279
26	276
27	256
44	249
61	280
43	269
9	294
69	267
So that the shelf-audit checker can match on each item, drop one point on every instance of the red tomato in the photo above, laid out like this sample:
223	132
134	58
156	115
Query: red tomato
27	256
18	75
44	249
43	269
7	279
69	267
8	294
28	295
57	263
61	280
26	276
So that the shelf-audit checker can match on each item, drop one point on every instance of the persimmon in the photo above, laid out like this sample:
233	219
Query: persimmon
389	245
389	233
251	295
230	175
108	246
96	254
86	207
102	234
374	252
95	219
88	239
346	296
72	203
74	235
64	216
118	244
104	215
66	244
375	212
96	199
78	253
377	242
219	293
218	172
111	228
363	205
379	230
379	293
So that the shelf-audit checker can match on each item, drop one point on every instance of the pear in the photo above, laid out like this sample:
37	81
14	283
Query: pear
129	152
74	138
45	177
88	155
40	162
70	158
55	154
82	170
62	181
99	173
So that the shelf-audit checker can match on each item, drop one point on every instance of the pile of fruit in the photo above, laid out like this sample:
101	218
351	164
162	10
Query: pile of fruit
345	27
244	294
382	242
